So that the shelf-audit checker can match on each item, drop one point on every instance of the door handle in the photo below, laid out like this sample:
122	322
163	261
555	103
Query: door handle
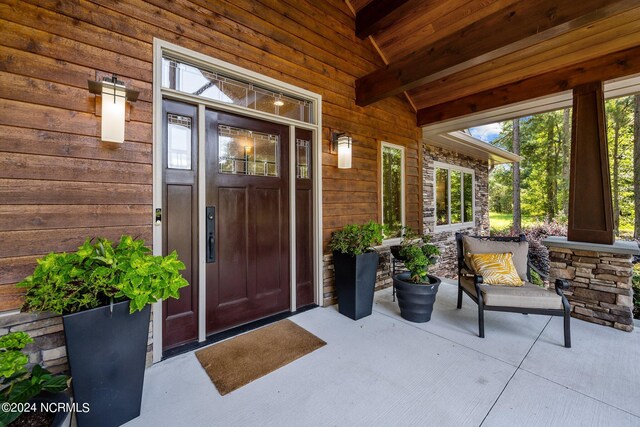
211	234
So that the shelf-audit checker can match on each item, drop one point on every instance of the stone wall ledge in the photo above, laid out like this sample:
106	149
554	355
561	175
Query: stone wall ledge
619	247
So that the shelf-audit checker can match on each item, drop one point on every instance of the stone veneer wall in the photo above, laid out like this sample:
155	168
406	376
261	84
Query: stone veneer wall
48	347
600	289
445	240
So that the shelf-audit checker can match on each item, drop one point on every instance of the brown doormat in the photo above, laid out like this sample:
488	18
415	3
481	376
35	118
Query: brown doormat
240	360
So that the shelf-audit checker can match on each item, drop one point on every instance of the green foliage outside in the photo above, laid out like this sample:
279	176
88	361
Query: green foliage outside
391	191
545	146
501	223
97	274
355	239
19	384
545	143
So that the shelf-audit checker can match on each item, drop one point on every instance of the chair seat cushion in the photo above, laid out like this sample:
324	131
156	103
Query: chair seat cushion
526	296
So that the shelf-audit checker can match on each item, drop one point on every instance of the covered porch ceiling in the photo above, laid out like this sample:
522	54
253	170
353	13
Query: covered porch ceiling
453	58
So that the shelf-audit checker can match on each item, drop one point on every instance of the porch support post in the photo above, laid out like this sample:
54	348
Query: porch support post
590	209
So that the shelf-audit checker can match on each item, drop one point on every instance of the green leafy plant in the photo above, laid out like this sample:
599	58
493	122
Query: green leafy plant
17	383
354	239
419	254
97	274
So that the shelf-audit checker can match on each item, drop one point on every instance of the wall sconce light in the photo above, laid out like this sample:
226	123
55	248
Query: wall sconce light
341	143
114	99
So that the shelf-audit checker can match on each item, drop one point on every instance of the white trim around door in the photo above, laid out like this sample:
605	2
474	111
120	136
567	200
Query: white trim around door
162	48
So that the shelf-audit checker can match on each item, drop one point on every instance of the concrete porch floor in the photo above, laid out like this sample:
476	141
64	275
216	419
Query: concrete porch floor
384	371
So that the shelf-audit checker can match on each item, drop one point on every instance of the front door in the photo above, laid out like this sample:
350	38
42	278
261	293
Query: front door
247	217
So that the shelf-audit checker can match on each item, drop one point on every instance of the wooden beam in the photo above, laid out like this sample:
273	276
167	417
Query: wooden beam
514	28
608	67
378	15
590	211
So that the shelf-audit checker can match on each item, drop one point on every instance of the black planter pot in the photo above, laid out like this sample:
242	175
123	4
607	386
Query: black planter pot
415	300
395	251
57	401
355	283
107	352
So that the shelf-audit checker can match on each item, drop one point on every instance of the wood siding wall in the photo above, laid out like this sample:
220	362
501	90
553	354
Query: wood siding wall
59	184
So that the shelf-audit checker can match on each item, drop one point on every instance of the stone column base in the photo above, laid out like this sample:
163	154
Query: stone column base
600	278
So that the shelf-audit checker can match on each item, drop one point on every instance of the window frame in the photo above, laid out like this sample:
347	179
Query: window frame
403	184
449	167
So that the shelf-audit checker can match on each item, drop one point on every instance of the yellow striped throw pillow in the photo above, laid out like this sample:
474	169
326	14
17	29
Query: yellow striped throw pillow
496	269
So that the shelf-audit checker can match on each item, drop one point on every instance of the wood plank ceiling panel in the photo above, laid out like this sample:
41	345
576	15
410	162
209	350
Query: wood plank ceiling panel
431	21
609	67
357	5
602	38
436	38
516	28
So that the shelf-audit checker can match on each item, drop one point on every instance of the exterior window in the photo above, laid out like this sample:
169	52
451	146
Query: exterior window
193	80
453	195
392	189
179	142
303	158
241	151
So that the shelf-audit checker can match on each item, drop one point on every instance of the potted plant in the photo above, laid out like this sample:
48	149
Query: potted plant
416	290
356	263
26	394
408	237
104	294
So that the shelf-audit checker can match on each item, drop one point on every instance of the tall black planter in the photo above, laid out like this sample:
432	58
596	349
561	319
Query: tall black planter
107	352
415	300
355	283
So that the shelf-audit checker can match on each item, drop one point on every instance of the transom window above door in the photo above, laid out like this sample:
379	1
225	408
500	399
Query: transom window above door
454	196
194	80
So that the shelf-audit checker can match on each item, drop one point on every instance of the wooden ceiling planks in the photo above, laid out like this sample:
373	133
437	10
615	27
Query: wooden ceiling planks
357	5
433	21
381	14
460	48
603	38
513	29
607	67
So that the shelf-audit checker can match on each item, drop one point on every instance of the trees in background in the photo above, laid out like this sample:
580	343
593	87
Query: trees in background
544	141
620	138
636	165
517	217
566	161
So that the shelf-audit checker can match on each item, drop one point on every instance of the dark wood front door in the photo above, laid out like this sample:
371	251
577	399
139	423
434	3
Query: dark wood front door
247	240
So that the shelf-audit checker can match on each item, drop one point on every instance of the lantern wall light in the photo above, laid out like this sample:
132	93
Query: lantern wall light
341	143
114	99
